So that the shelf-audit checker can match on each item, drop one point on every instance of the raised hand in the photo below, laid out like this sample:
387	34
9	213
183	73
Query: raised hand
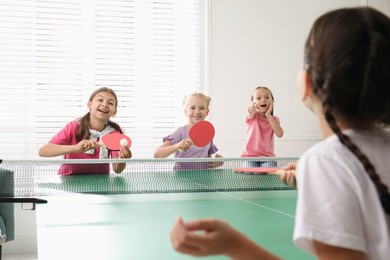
252	109
270	109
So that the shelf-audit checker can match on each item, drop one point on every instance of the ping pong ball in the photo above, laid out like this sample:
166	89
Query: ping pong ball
123	142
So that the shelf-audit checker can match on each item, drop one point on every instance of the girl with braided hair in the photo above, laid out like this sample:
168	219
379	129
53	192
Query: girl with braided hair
343	207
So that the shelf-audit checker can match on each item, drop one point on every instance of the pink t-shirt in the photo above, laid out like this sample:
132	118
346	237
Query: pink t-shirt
67	136
260	137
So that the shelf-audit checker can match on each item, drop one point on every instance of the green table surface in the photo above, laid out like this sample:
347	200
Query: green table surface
137	226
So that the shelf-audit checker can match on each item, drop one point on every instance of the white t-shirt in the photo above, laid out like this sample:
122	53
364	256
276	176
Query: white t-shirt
337	202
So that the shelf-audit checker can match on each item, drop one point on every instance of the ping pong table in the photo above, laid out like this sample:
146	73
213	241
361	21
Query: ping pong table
129	216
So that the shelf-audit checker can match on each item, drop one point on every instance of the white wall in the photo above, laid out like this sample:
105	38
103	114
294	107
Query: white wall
260	42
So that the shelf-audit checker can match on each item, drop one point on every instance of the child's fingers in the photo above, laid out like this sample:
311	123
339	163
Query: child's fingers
291	166
85	145
252	107
288	178
184	145
125	152
203	224
180	236
291	180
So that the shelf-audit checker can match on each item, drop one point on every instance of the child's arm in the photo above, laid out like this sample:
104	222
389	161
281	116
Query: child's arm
278	130
167	148
52	150
216	237
251	110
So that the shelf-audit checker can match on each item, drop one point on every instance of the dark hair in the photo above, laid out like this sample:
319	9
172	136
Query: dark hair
84	122
272	96
347	55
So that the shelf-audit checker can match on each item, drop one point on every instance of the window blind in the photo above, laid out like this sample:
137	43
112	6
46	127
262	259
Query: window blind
54	53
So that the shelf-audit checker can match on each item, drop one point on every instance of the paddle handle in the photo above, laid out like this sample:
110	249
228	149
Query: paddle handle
101	144
182	150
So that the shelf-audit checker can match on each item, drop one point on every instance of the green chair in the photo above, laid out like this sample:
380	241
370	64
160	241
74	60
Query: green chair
7	225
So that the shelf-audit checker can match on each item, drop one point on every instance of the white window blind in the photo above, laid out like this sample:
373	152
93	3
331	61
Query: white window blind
54	53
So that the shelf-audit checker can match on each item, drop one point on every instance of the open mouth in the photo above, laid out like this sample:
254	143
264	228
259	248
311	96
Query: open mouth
103	111
198	118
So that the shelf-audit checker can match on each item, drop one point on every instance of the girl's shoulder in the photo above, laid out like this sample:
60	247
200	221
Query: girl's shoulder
182	129
178	134
73	124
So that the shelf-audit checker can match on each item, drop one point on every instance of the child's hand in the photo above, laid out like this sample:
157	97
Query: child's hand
288	177
270	109
85	145
252	109
217	237
184	145
125	152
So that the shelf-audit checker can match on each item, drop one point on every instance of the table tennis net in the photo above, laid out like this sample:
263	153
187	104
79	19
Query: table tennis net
41	178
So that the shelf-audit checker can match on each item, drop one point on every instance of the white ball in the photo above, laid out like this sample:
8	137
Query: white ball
123	142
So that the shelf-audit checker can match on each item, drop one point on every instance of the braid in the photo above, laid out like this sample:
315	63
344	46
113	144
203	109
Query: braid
382	189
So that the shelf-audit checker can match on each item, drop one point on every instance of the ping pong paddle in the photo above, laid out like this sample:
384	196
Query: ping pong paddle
115	141
201	134
260	170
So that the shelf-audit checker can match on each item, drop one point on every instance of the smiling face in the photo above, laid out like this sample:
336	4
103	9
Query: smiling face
102	106
263	99
196	109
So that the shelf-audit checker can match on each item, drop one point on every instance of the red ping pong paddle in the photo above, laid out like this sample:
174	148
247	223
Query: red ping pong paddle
201	134
260	170
115	141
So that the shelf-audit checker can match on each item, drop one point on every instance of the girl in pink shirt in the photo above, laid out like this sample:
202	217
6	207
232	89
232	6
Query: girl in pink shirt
261	127
79	139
